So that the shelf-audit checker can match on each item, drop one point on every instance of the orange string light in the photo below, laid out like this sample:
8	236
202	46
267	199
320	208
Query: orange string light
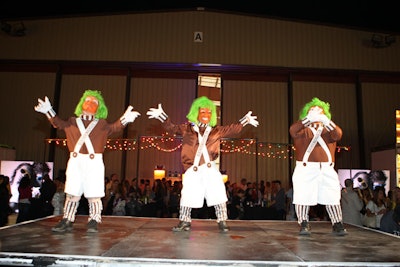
169	144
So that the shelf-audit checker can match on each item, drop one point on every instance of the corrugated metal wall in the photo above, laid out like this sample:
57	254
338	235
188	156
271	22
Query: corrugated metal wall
379	102
22	127
227	39
176	97
268	101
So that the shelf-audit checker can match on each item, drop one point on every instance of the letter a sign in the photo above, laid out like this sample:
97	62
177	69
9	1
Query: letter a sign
198	37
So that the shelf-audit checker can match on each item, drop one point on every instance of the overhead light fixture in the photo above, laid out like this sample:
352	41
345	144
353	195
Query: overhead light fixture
381	41
390	39
17	29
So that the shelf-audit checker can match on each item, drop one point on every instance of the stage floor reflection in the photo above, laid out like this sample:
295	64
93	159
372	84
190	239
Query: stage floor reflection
134	241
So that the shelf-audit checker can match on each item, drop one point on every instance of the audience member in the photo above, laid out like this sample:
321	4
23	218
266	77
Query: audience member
5	195
134	189
267	194
236	211
278	200
119	203
24	199
133	206
243	184
375	209
159	197
390	221
291	213
47	191
351	203
59	196
174	198
41	205
110	197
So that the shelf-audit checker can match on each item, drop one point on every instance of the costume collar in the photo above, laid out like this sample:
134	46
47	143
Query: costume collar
87	117
202	125
314	125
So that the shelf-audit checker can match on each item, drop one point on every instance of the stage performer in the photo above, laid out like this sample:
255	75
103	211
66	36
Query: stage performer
200	148
315	181
86	135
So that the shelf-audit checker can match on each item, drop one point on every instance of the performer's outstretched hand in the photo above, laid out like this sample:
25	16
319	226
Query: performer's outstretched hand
129	116
328	124
313	115
249	119
322	118
45	107
157	113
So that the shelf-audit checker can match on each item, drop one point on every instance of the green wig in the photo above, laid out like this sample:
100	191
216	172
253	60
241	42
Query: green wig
202	102
315	102
102	111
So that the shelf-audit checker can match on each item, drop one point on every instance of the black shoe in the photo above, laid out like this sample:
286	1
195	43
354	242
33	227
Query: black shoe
338	229
92	226
223	226
182	226
63	226
305	228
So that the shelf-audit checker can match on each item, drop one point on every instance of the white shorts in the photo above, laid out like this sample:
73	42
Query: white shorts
316	183
205	183
85	175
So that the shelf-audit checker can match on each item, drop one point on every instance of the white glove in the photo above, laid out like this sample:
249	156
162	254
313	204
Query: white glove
45	107
35	192
157	113
312	116
129	116
328	124
323	118
248	119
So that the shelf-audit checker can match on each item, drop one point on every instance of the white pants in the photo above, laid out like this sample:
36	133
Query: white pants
85	175
316	183
206	183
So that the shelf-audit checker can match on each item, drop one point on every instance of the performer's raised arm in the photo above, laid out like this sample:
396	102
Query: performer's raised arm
44	106
157	113
129	116
249	119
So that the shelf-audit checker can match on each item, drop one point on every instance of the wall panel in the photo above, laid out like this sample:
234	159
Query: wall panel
176	97
227	39
23	127
380	102
268	101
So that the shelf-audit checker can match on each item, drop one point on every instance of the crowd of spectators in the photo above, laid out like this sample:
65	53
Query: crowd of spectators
160	198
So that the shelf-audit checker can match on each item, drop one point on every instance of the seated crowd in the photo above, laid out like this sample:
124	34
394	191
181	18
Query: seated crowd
161	199
246	200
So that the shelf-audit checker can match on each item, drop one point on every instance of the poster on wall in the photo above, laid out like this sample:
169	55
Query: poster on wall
363	178
15	170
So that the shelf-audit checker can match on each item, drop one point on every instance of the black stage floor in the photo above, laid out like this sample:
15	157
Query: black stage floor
134	241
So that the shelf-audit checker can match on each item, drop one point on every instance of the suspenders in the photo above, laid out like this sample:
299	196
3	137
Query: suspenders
85	137
317	139
202	149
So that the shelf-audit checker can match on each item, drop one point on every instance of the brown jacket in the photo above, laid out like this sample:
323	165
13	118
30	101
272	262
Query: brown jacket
302	137
98	136
190	140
